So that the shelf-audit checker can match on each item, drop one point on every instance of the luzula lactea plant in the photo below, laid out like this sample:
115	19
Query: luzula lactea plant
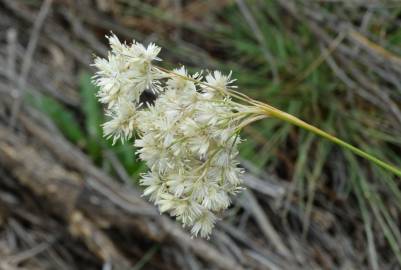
188	136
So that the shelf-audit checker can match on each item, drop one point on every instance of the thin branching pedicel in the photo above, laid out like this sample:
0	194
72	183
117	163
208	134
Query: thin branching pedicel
188	137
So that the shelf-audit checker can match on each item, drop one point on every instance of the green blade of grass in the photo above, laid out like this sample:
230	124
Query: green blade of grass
60	115
93	116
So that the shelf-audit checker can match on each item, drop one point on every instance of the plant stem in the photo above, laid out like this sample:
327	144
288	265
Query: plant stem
273	112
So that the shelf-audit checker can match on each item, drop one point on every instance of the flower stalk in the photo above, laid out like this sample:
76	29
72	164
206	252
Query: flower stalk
302	124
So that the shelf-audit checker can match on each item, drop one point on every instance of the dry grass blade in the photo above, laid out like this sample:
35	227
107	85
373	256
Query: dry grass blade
28	58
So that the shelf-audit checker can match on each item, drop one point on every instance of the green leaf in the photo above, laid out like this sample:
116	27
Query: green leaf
61	116
93	116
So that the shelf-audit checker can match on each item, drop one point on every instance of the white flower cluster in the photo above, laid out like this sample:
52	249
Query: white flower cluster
188	137
122	78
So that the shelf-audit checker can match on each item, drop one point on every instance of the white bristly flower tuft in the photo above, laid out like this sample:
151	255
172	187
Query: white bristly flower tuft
188	137
126	72
122	123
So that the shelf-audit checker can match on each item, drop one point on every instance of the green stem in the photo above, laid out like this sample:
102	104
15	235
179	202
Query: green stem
298	122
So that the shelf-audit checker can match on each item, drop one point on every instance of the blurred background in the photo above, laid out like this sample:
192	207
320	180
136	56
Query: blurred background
70	200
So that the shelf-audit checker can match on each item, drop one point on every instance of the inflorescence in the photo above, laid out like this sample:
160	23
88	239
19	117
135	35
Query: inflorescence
188	136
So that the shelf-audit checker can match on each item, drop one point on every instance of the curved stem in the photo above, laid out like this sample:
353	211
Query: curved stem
273	112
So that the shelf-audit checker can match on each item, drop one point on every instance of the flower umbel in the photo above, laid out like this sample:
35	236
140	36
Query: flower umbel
188	137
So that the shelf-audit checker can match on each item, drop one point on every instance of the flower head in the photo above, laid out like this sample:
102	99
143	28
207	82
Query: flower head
219	80
122	123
